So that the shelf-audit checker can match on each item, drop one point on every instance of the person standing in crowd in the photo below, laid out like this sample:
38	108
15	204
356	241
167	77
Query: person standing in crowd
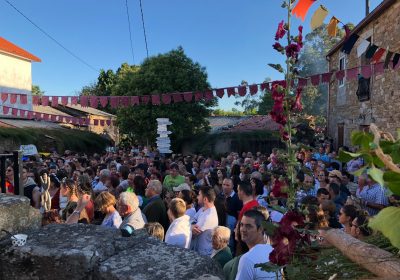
173	179
128	208
220	239
373	197
155	210
31	189
105	203
346	216
179	232
245	193
101	185
205	221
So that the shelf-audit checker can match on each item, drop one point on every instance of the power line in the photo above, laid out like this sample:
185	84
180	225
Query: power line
144	28
130	32
52	38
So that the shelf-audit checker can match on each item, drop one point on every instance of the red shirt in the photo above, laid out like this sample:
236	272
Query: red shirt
90	210
246	207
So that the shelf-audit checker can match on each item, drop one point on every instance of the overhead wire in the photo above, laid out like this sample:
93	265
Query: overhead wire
52	38
130	31
144	28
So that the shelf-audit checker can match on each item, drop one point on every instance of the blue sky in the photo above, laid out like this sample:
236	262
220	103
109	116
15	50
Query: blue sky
231	38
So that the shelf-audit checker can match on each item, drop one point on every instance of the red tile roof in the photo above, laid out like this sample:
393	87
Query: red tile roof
10	48
255	123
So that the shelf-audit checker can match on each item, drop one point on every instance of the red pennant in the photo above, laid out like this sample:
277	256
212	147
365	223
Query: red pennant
74	100
315	80
6	110
22	113
231	91
4	97
108	122
265	86
64	100
75	121
103	101
366	71
198	96
340	75
95	122
46	117
188	96
54	101
379	68
326	77
124	101
155	99
23	99
13	98
302	82
93	100
102	122
60	118
14	112
81	121
208	95
166	98
378	55
35	100
220	92
301	8
114	100
177	97
45	100
242	90
53	118
253	89
135	100
87	121
145	99
352	73
29	115
84	100
37	115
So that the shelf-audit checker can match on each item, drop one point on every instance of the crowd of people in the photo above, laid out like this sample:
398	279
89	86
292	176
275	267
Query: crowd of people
215	206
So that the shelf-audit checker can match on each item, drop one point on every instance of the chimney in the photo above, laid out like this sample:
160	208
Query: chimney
366	8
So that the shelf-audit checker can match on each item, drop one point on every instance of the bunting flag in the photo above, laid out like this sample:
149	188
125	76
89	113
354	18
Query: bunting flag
135	100
387	59
220	92
301	8
371	51
166	98
74	100
352	73
332	27
145	99
84	100
177	98
45	100
318	18
93	100
366	71
6	110
349	43
108	122
14	112
155	99
378	55
64	100
23	98
13	98
315	80
253	89
188	96
54	101
362	47
114	101
29	115
35	100
326	77
396	58
231	91
208	95
198	96
124	101
379	68
103	101
265	87
22	113
242	90
4	97
302	82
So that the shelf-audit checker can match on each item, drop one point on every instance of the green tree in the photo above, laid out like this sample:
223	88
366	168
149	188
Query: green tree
266	101
170	72
37	91
232	112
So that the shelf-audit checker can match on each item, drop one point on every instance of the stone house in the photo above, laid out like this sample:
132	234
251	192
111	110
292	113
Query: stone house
16	72
345	111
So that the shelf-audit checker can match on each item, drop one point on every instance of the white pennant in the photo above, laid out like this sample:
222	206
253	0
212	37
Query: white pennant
362	47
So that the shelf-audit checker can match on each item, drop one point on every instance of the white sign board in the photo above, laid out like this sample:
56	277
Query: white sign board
28	150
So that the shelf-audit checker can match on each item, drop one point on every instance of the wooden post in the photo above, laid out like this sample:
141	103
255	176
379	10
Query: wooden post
370	257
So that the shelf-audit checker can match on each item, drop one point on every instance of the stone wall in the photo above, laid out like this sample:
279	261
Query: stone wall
383	106
93	252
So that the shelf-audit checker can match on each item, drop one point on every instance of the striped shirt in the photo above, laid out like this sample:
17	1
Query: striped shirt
373	194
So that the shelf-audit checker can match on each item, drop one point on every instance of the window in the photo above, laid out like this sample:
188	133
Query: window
342	66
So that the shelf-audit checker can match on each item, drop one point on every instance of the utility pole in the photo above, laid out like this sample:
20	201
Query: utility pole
366	8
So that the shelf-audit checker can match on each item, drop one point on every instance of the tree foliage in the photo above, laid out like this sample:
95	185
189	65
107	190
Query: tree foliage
37	91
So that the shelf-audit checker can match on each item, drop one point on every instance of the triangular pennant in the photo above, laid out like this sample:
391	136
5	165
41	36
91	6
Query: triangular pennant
74	120
378	55
340	75
94	101
366	71
166	98
145	99
14	112
155	99
318	18
45	100
231	91
74	100
22	113
83	100
220	92
242	90
23	99
4	97
64	100
135	100
379	68
13	98
253	89
108	122
265	86
124	101
102	121
114	101
103	101
81	121
371	51
53	118
46	117
6	110
177	97
362	47
208	95
352	73
396	58
301	8
29	115
315	80
95	122
349	43
302	82
332	27
387	59
35	100
54	101
87	121
198	96
326	77
188	96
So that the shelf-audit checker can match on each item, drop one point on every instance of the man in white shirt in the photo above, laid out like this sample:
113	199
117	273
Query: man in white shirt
179	232
252	234
205	220
101	185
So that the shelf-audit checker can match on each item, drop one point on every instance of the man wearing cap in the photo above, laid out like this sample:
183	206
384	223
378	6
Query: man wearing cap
335	176
180	188
173	179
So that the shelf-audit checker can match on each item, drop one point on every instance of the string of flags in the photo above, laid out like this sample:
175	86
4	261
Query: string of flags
31	115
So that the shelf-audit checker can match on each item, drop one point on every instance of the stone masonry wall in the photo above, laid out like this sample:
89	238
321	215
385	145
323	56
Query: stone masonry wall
384	104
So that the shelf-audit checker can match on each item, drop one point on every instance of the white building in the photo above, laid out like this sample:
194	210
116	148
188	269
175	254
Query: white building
15	73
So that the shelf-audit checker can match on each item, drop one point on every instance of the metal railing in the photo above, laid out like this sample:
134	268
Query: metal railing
16	158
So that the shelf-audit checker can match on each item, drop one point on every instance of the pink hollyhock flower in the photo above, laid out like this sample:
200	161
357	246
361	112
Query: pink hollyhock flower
298	106
284	243
292	50
281	31
292	219
284	134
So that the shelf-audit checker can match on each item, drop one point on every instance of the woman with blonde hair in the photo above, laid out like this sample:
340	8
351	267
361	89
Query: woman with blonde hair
105	203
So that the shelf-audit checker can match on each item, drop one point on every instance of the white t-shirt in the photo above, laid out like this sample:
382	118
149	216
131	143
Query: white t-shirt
179	232
257	254
114	220
191	212
207	220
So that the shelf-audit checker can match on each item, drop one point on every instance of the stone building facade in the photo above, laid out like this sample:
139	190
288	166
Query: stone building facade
345	112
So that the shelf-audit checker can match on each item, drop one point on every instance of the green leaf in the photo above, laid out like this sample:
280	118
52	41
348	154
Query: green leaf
387	222
376	174
277	67
279	209
347	156
360	171
268	267
392	180
362	139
